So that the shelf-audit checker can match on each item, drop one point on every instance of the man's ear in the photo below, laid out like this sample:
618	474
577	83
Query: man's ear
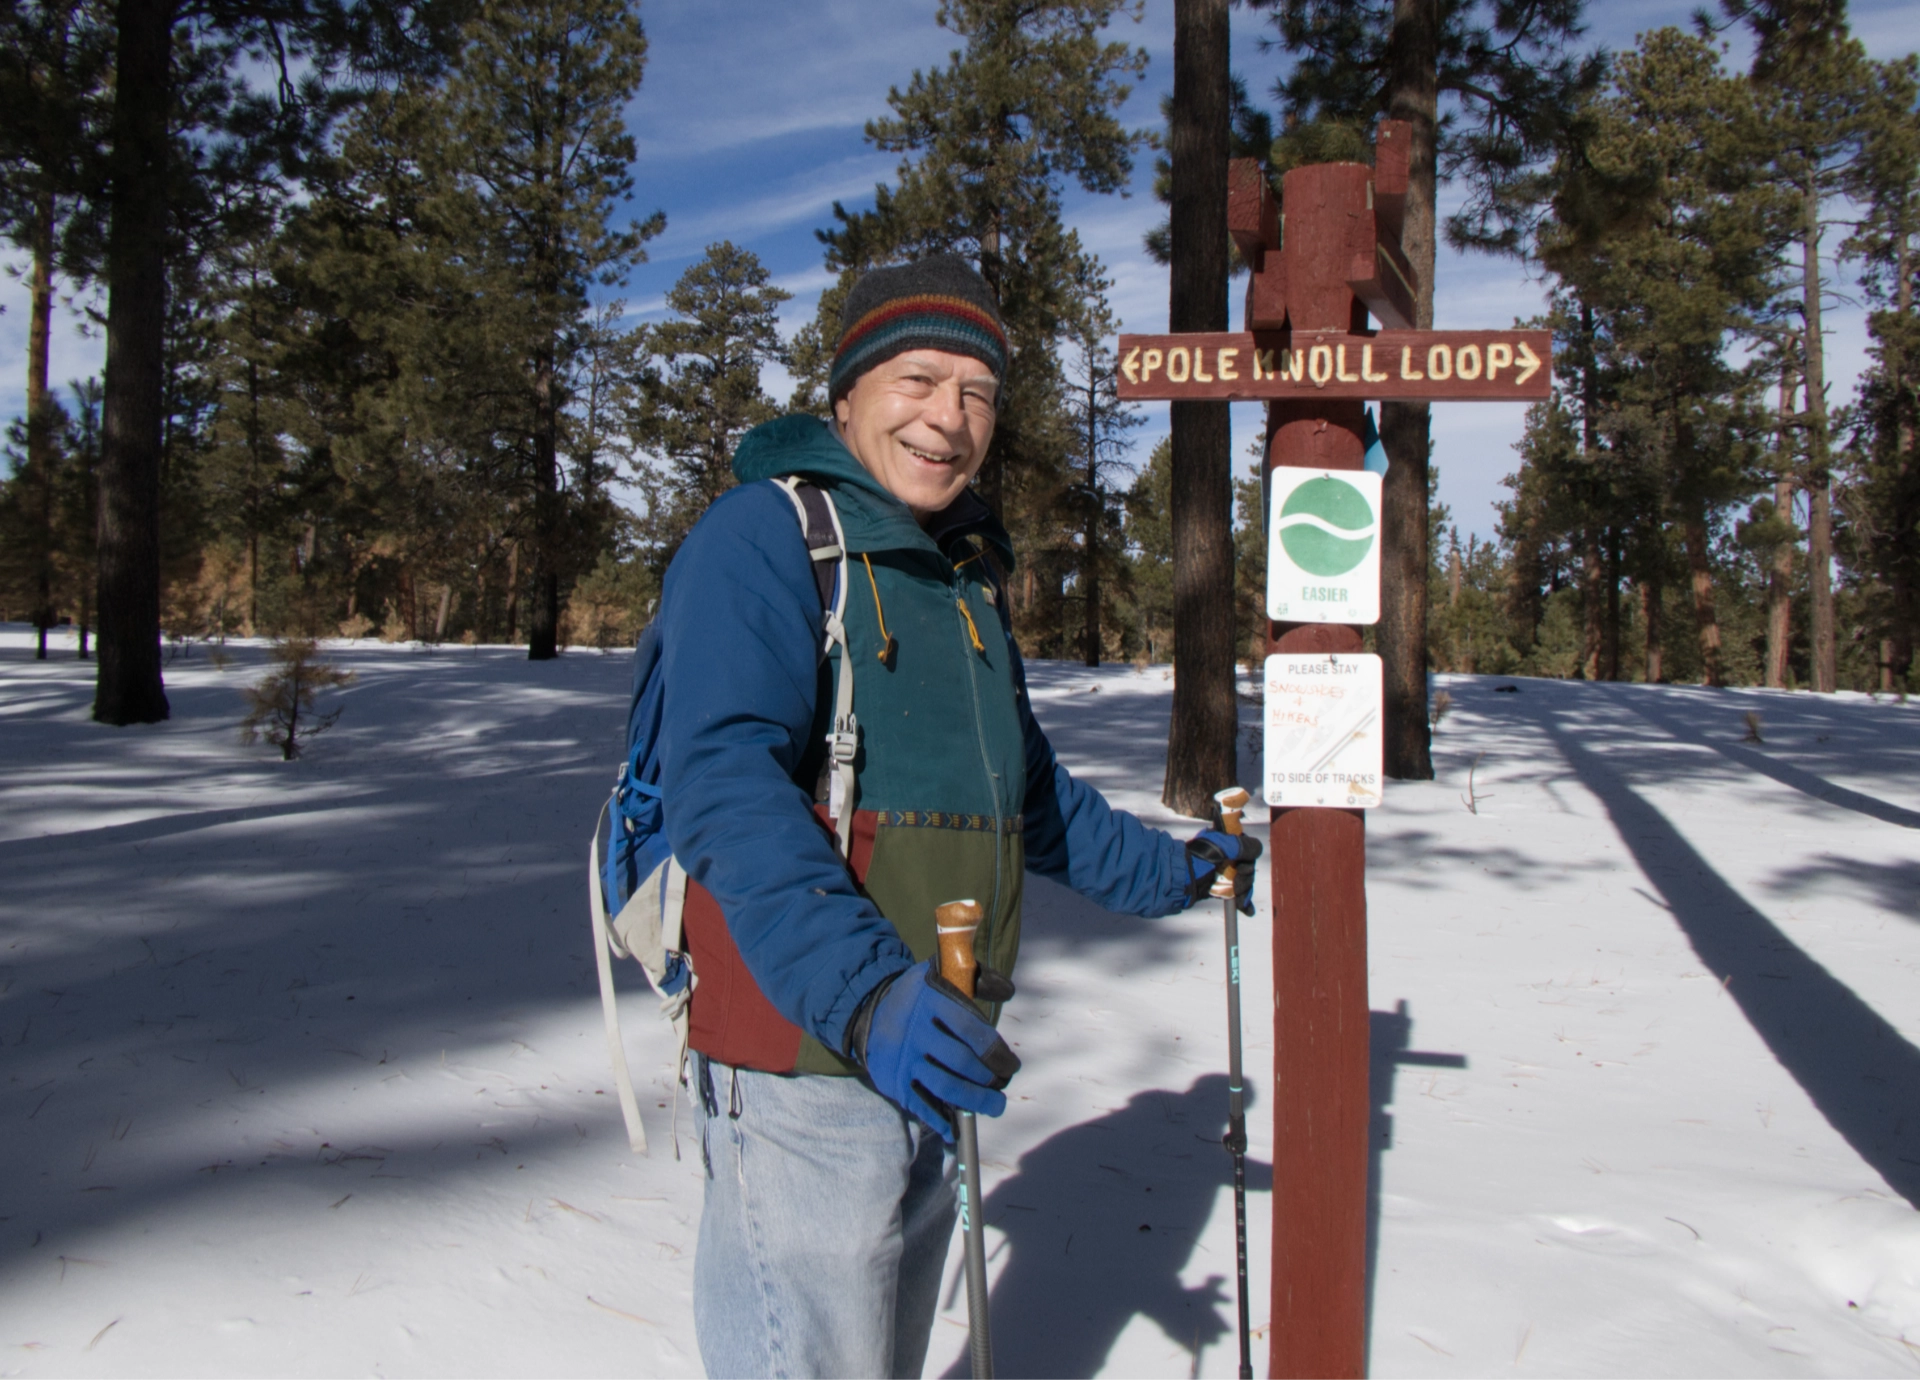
842	409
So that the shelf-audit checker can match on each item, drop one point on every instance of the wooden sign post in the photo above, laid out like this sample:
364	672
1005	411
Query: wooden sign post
1309	353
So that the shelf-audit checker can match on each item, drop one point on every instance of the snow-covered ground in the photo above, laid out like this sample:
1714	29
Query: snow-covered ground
304	1071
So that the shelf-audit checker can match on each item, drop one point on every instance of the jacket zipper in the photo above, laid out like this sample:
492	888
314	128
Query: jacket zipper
962	625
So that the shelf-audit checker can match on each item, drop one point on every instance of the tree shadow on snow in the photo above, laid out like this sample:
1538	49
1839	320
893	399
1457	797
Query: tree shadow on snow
1893	886
1858	1070
1795	778
1100	1221
316	932
1389	1035
1102	1218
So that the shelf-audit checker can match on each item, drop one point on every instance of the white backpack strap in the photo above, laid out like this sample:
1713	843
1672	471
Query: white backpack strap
843	738
844	742
603	961
675	1007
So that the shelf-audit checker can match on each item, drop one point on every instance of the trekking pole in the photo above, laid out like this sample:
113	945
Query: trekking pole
1231	802
954	924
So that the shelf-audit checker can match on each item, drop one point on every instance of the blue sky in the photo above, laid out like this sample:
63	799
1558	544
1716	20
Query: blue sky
749	125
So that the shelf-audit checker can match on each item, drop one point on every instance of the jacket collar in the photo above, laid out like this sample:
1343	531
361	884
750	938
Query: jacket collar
872	518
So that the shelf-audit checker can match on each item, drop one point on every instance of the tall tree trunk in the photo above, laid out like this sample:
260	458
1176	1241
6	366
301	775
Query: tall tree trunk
39	415
128	689
544	624
1200	746
1825	666
1523	591
1591	575
1412	94
1819	458
1612	641
1650	600
1780	595
1090	578
1706	619
1780	568
513	590
1592	603
1901	584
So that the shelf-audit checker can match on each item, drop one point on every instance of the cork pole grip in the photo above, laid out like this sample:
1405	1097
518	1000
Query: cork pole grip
954	924
1231	802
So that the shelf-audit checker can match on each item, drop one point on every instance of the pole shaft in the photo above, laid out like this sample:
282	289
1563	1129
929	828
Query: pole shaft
1237	1133
955	925
979	1328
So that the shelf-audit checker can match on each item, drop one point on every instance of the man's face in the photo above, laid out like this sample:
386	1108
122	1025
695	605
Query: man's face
920	423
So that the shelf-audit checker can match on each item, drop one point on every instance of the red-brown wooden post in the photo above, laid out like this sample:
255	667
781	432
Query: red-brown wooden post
1307	350
1318	868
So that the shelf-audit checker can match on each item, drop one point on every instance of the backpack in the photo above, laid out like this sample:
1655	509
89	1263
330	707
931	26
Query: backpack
636	888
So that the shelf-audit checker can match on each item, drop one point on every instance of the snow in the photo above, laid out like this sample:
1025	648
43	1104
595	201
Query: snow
304	1069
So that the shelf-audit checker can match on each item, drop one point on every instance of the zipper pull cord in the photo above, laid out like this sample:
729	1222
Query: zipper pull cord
960	603
890	646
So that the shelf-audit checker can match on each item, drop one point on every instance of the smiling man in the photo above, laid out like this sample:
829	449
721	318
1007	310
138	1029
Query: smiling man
828	1056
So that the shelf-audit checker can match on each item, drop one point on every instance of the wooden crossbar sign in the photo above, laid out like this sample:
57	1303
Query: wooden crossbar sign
1318	281
1399	366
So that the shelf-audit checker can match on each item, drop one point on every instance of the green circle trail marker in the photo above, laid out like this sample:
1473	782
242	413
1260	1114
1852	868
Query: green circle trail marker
1323	547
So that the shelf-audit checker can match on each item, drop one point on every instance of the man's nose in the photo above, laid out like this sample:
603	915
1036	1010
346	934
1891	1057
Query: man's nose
947	409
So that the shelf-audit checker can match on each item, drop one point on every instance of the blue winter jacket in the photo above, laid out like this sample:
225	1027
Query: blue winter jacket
740	618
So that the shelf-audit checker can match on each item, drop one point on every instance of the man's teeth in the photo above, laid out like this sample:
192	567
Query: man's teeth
930	459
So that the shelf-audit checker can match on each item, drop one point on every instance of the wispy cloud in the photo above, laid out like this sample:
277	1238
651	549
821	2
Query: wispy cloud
806	197
734	77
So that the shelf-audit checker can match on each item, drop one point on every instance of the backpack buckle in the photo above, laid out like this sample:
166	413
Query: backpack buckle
844	741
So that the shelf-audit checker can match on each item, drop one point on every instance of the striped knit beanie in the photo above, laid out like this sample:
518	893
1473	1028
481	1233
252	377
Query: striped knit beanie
938	303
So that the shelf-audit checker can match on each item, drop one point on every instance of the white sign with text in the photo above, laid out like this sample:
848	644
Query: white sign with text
1323	546
1323	730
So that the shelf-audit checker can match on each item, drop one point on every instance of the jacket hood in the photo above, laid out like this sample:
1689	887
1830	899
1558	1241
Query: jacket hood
873	519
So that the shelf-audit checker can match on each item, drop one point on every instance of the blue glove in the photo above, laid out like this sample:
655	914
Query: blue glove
1210	850
926	1047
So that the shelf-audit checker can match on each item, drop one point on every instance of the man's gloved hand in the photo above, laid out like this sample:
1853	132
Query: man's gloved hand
1210	850
926	1047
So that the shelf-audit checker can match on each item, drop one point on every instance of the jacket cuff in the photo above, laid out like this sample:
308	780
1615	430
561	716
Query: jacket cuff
835	1028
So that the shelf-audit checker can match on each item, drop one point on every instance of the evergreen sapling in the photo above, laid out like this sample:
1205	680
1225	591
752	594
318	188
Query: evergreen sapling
281	707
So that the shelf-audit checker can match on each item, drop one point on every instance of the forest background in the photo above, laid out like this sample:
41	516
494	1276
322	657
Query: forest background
464	315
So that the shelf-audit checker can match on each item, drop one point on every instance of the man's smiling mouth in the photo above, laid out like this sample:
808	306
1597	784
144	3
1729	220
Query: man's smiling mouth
918	454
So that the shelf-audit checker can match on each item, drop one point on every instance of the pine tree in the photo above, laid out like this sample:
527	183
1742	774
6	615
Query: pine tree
707	394
402	378
163	49
1882	495
988	145
1507	69
536	103
283	707
28	503
1101	423
1660	426
1813	85
54	75
1150	553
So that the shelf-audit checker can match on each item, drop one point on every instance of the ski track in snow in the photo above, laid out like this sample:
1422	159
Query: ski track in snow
305	1076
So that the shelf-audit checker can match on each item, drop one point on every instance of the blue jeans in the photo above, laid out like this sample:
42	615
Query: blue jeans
825	1228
